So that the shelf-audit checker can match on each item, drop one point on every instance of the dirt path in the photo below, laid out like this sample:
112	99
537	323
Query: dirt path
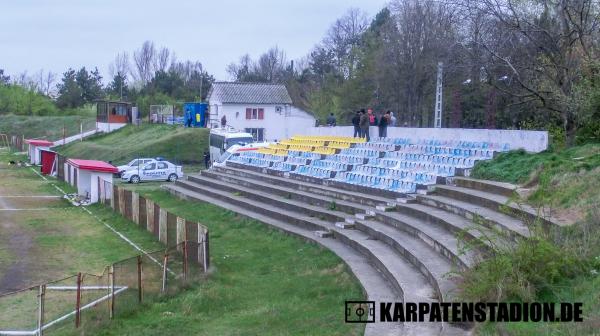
16	242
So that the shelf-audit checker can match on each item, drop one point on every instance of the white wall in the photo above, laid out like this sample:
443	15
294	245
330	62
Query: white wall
278	126
531	141
108	127
84	185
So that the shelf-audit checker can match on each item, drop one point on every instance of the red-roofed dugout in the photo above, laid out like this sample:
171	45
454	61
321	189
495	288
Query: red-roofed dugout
41	143
93	165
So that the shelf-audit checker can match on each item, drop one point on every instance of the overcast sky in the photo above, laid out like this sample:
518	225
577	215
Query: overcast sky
55	35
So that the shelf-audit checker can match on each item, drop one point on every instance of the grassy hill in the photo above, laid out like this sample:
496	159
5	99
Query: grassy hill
50	128
567	180
562	265
175	143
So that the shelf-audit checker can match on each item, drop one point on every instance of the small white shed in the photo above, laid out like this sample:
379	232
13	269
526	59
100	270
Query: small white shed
89	176
35	147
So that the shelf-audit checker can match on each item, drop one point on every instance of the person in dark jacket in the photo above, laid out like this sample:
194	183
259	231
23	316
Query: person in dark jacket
384	121
223	121
331	120
364	125
206	160
356	123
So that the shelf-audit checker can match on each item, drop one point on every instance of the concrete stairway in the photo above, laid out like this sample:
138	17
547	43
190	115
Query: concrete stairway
398	249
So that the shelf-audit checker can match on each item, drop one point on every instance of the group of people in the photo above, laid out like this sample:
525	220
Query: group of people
363	120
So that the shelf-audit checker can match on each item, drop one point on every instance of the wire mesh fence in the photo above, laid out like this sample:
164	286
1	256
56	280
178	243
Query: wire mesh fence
88	301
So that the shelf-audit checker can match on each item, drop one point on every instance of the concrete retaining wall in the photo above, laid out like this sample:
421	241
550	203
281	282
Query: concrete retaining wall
531	141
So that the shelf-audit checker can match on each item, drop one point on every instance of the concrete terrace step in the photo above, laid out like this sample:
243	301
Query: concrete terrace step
500	188
335	216
399	273
354	238
436	268
488	217
375	286
265	197
436	237
307	197
356	197
497	203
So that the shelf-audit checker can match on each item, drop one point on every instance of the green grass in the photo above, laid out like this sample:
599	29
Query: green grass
49	128
56	242
178	144
263	283
568	179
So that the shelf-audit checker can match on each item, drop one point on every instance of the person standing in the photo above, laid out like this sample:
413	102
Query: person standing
188	113
356	123
206	160
331	120
372	119
392	119
384	121
223	121
364	125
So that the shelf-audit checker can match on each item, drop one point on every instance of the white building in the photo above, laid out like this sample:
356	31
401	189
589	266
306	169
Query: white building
90	177
35	148
264	110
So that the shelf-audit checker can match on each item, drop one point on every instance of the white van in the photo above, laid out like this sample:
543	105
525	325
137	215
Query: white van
221	139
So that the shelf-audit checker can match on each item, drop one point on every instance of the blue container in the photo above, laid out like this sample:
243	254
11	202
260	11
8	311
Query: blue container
197	113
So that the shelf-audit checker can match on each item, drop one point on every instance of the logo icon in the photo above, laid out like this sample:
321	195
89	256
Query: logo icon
360	312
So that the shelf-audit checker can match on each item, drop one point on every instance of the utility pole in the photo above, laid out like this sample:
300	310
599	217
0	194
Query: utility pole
438	97
201	77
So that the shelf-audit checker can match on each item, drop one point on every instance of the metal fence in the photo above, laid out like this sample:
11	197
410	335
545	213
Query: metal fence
13	142
88	301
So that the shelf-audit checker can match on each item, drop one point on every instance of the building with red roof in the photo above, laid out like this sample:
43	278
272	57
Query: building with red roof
35	146
92	178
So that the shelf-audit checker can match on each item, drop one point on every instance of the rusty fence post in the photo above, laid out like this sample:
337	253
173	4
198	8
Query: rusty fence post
78	302
41	301
206	252
164	275
139	271
185	259
111	288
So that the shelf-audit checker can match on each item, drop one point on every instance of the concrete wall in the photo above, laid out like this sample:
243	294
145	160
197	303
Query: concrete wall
531	141
108	127
277	125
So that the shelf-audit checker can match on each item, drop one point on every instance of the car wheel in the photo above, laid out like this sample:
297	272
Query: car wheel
172	178
134	179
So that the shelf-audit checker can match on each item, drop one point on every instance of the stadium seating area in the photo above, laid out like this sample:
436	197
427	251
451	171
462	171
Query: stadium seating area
391	164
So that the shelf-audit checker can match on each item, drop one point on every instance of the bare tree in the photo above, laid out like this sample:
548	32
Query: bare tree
45	82
144	59
162	59
120	65
344	36
542	46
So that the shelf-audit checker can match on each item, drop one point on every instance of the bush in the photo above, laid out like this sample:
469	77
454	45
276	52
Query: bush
15	99
532	268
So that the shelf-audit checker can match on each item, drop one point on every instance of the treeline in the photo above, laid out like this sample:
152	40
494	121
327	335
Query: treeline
150	76
507	64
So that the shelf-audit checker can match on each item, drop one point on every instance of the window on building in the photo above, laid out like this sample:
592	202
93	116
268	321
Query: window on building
255	113
258	134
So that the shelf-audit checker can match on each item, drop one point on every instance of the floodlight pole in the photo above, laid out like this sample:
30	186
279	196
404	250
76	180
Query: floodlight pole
438	97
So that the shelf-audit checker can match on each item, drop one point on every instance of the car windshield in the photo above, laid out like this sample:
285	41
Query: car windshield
235	141
133	163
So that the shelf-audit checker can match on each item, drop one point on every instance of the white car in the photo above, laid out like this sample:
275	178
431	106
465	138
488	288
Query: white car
153	171
134	164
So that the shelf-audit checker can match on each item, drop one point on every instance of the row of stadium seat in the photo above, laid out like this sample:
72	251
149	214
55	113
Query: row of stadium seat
376	182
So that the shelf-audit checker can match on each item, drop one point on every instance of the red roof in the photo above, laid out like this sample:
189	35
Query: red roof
93	165
37	142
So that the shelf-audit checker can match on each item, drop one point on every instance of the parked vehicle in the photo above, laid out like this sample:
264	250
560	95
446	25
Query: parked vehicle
133	164
236	149
222	139
153	171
